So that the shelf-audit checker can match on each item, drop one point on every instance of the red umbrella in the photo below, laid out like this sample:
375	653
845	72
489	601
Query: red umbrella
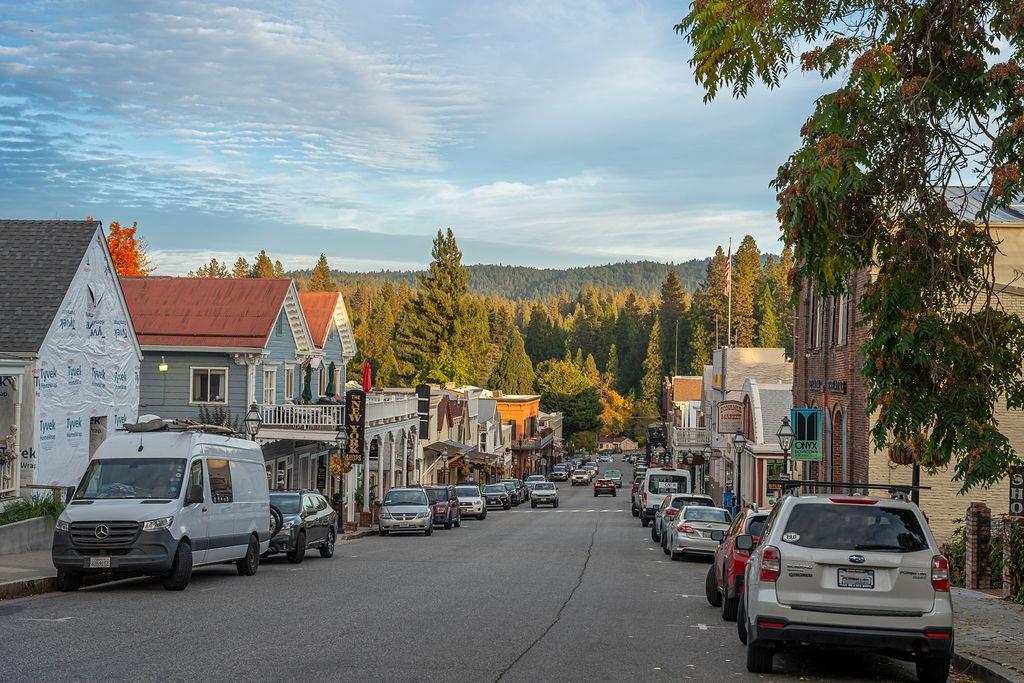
367	381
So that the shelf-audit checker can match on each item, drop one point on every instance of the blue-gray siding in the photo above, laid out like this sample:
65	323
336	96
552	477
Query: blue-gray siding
167	394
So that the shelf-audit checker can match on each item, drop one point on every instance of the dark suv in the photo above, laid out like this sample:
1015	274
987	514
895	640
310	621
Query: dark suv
444	504
307	521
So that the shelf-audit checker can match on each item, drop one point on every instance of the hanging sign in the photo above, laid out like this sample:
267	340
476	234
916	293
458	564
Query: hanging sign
806	434
1017	491
730	417
355	422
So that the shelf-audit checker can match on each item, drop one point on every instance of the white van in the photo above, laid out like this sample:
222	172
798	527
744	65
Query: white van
162	502
658	483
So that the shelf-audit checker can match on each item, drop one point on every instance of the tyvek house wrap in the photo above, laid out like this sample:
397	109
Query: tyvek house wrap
88	367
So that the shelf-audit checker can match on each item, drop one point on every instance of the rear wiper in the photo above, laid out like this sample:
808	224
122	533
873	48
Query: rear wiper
877	546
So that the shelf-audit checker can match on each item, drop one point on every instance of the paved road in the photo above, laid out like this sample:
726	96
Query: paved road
579	593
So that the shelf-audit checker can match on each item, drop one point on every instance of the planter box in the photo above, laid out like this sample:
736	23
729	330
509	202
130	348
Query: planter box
29	534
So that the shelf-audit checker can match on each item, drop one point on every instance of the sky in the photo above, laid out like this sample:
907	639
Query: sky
544	133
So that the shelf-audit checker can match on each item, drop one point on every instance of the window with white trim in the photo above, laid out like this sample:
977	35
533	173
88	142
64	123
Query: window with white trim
270	386
209	385
844	319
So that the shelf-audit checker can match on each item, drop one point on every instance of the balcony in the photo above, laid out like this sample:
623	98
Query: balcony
534	443
684	437
322	422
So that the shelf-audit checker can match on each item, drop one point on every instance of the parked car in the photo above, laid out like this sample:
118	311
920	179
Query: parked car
445	504
605	458
514	494
544	493
307	521
723	585
602	485
669	509
615	476
406	509
534	477
847	570
471	501
559	473
160	501
580	477
658	482
497	495
699	529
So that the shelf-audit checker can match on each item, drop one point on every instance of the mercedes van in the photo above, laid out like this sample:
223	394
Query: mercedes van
162	501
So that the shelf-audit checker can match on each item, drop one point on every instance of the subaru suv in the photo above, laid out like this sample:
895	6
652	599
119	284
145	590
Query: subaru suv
307	521
851	571
445	505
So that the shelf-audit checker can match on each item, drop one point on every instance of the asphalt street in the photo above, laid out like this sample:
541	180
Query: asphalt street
574	594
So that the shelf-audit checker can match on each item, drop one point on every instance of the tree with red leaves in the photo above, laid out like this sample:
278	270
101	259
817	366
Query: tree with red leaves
128	250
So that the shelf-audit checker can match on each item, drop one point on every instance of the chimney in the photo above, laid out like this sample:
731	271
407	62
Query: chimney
498	393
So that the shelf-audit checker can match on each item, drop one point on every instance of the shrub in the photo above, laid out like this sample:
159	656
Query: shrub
28	508
956	552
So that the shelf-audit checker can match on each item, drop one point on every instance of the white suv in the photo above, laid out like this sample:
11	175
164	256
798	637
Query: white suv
850	571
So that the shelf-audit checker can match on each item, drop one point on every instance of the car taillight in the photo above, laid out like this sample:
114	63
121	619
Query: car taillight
771	564
672	513
940	573
685	528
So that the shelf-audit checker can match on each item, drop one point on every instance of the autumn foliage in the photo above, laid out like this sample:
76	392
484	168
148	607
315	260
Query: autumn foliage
128	250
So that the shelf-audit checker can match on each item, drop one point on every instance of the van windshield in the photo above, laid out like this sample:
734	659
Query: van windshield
132	478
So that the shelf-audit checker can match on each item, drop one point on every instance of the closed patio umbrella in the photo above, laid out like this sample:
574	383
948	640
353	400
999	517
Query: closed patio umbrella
307	392
330	390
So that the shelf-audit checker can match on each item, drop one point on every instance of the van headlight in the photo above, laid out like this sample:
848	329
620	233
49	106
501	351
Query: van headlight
62	525
386	515
157	524
423	515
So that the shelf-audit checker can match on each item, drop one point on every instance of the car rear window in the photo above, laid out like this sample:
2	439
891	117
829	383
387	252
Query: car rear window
706	514
755	525
437	495
855	527
287	504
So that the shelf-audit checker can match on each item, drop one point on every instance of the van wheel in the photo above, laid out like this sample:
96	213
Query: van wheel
430	529
381	531
181	569
68	582
759	659
298	553
248	565
327	549
741	622
711	588
932	668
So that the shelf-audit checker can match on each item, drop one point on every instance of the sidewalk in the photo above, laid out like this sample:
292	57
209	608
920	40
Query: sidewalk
989	636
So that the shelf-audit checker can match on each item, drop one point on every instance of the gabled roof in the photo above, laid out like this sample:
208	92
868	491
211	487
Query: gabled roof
40	259
323	309
228	313
966	203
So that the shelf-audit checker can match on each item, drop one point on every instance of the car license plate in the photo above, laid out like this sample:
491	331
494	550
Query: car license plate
856	578
99	563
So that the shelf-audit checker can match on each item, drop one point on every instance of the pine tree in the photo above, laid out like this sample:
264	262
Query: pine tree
611	368
514	372
783	292
631	339
543	339
264	267
768	323
279	270
320	279
650	383
241	268
427	335
746	274
591	371
672	317
212	269
700	347
709	311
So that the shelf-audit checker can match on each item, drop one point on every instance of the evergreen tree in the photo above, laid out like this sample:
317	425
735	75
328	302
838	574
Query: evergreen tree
650	383
212	269
611	368
631	339
264	267
241	268
700	347
709	310
578	358
514	372
672	318
543	339
768	323
320	279
279	270
591	371
432	319
784	304
745	276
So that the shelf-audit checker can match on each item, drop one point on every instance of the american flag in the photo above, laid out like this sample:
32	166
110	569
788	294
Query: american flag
728	274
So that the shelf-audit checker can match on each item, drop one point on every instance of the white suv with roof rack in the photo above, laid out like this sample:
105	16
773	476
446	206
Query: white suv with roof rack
851	571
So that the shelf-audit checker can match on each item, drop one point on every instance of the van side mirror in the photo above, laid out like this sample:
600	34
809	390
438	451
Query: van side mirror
745	542
718	535
195	495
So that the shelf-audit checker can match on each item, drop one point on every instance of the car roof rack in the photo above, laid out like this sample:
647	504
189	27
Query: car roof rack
151	423
896	491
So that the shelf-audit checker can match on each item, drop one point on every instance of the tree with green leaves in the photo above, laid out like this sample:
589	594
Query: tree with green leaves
700	348
650	383
611	367
591	371
241	268
544	340
746	273
672	319
514	372
926	94
768	335
279	270
320	280
631	340
263	268
212	269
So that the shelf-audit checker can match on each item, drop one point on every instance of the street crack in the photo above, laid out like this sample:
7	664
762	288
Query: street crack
558	614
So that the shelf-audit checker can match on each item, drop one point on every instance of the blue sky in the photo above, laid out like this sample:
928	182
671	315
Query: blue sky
544	133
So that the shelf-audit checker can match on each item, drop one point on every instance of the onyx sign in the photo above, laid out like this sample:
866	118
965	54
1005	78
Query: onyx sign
1017	491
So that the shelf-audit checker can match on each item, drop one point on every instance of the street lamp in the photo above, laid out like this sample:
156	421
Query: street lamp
253	421
689	457
738	442
785	435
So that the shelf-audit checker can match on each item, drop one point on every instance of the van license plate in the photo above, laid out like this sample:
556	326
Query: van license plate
99	563
856	578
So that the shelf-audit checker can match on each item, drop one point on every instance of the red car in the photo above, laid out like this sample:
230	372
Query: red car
724	583
445	505
604	486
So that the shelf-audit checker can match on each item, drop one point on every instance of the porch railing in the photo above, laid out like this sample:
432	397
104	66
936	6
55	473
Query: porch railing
300	417
690	436
9	471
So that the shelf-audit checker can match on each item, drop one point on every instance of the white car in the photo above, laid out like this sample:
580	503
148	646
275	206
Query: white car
580	477
847	570
698	529
544	493
471	501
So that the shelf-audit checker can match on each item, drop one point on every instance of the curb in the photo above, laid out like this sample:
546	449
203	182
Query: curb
982	670
9	590
353	535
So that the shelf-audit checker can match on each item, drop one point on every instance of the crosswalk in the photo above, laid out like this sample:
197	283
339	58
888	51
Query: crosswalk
564	510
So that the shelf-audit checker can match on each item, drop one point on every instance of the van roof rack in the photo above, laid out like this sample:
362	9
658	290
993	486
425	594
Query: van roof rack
157	424
896	491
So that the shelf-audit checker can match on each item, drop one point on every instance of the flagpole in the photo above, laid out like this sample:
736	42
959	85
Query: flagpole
728	323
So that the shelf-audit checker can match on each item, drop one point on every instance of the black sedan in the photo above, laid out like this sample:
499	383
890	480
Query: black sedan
496	495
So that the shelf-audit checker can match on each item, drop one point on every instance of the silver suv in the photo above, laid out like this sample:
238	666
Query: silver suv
851	571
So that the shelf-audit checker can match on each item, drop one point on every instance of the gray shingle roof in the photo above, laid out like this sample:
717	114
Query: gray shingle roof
37	263
966	202
776	400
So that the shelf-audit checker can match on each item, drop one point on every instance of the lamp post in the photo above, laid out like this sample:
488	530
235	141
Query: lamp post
739	442
706	468
785	435
253	421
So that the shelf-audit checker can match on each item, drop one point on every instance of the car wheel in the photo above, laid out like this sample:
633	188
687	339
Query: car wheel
595	494
327	549
654	533
664	542
482	516
664	547
644	522
533	504
556	503
448	522
248	565
636	512
759	659
614	494
711	588
181	569
506	506
298	553
430	530
741	622
68	581
458	520
932	668
729	607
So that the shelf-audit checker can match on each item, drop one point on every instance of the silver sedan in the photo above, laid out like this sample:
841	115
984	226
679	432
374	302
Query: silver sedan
693	531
